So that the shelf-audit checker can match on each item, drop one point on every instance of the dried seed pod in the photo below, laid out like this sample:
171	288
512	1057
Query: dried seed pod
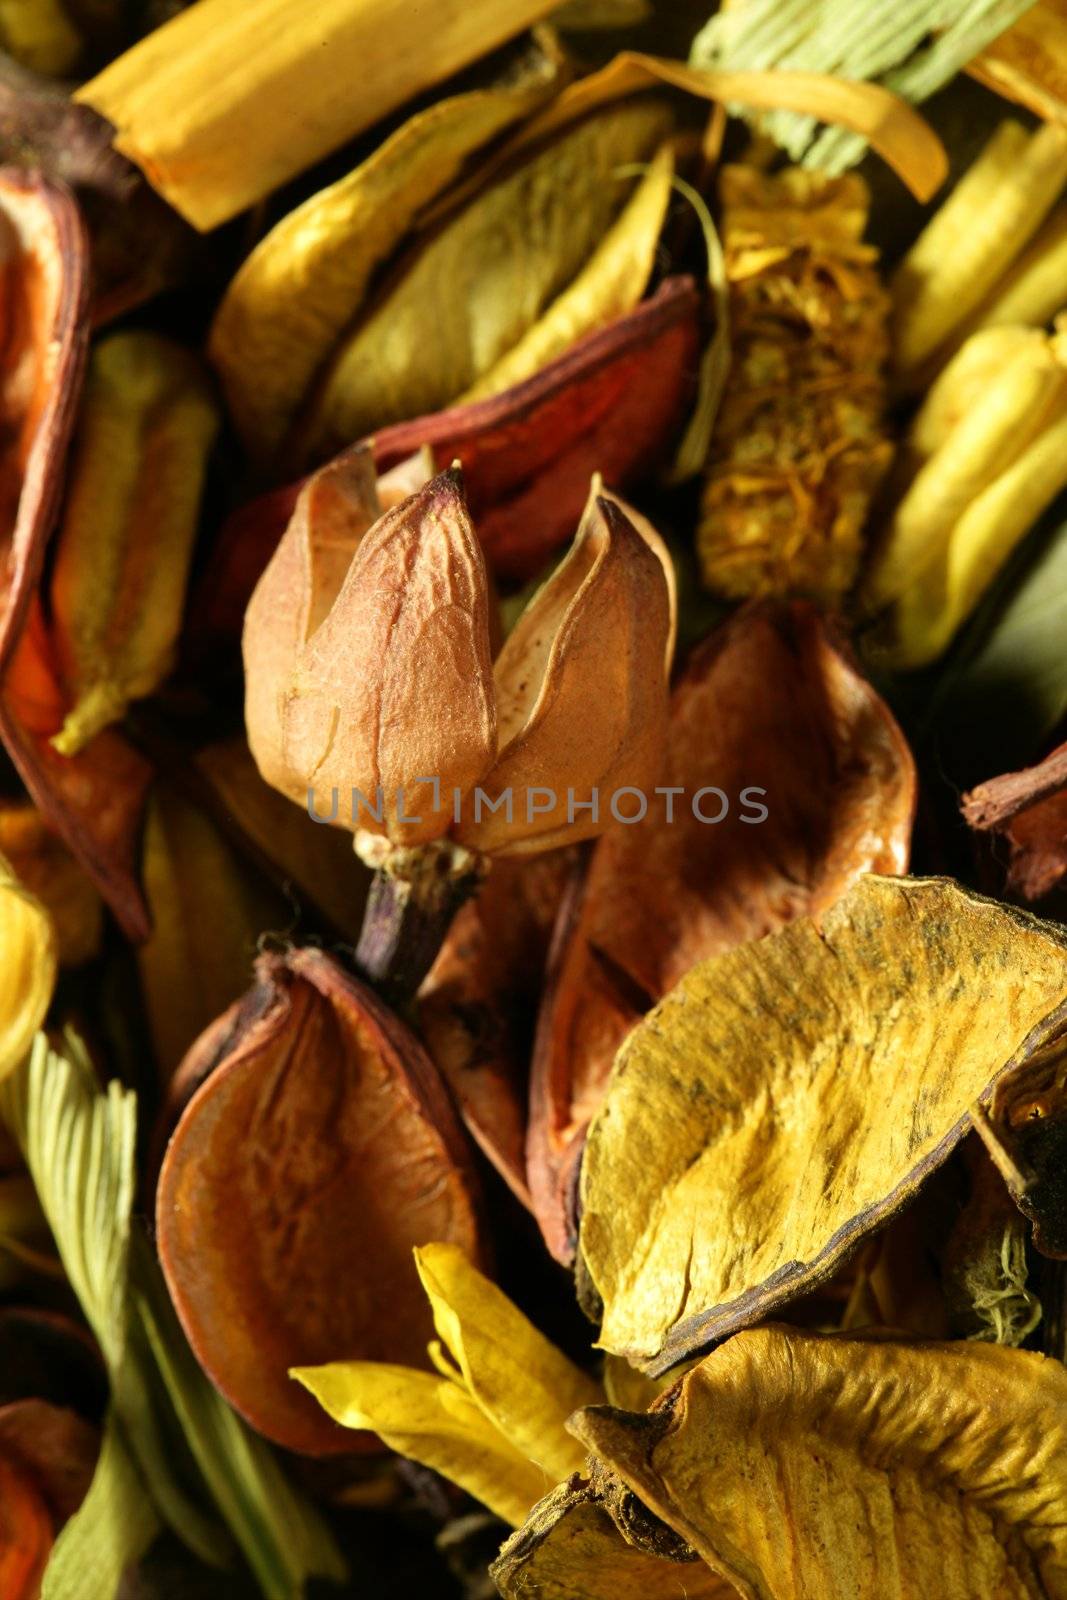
319	1151
94	800
147	422
770	716
799	446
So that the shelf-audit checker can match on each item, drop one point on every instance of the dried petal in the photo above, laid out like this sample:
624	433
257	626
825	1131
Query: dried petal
854	1469
395	684
770	717
55	1447
1030	809
25	1533
572	712
46	867
477	1006
305	1168
28	970
739	1155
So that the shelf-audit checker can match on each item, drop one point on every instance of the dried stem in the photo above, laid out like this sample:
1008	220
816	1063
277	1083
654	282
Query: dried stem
415	895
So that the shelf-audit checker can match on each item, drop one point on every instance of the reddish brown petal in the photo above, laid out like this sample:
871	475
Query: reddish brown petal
54	1447
310	1162
1030	809
771	703
478	1004
93	800
25	1533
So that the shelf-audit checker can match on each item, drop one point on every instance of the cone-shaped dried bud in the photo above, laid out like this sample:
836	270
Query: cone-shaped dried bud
367	652
316	1154
28	969
581	693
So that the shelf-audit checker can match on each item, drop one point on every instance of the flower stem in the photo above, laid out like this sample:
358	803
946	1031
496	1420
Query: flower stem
415	894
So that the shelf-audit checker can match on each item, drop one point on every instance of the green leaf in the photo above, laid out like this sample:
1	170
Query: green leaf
890	45
112	1528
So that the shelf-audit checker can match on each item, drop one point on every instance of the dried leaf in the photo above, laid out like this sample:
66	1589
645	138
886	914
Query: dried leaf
477	1006
760	1063
1030	809
125	541
463	298
853	1469
609	285
570	1549
277	1187
115	1525
800	442
770	714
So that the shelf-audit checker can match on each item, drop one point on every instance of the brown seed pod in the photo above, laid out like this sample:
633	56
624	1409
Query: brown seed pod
320	1150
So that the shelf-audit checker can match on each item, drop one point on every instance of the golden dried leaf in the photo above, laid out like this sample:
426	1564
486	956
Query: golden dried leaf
854	1469
609	285
319	1151
570	708
469	293
771	714
570	1549
294	296
789	1096
125	542
27	971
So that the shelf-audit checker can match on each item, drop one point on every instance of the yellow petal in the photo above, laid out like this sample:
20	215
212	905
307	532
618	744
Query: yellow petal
27	968
395	685
298	290
431	1420
470	292
852	1469
581	691
570	1549
610	284
525	1386
791	1095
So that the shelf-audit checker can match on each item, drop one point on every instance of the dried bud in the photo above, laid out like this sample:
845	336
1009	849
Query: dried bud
319	1151
367	659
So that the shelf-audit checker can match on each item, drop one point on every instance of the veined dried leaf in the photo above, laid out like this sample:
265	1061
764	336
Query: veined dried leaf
297	292
980	485
971	240
42	862
28	970
1030	809
590	718
208	912
608	286
276	1189
1028	63
196	102
433	1420
468	294
94	800
477	1005
854	1469
520	1380
147	422
761	1062
771	715
570	1549
25	1533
